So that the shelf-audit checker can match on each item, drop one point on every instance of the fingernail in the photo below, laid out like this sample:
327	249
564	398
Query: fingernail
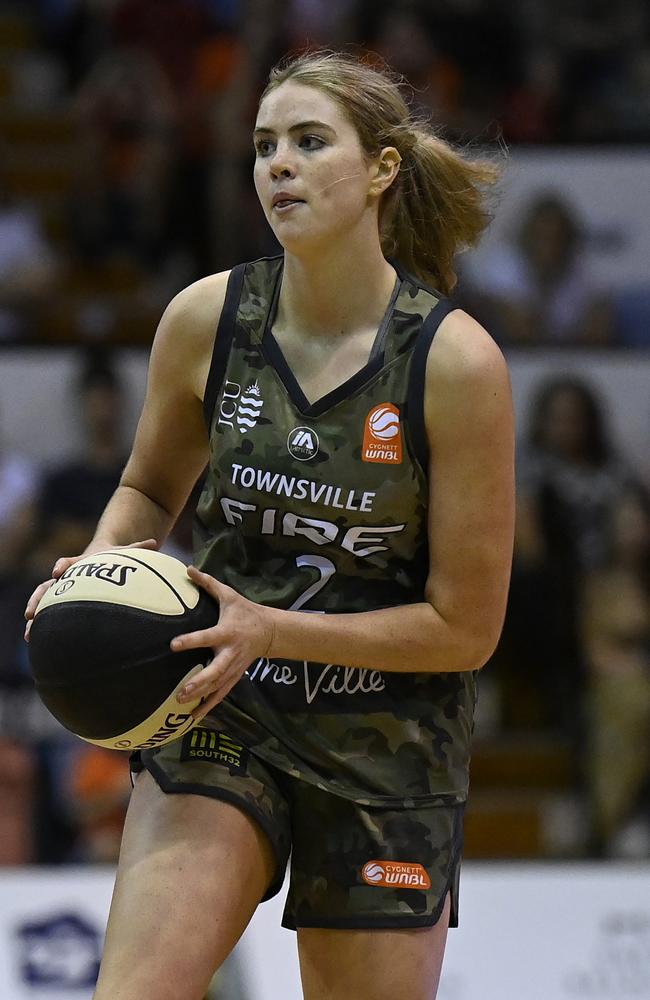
175	644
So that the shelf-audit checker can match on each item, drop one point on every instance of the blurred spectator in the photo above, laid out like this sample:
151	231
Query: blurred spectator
402	38
569	478
628	103
531	107
27	266
99	788
171	31
77	32
75	493
17	791
71	499
126	115
18	489
595	39
318	23
18	485
616	628
538	290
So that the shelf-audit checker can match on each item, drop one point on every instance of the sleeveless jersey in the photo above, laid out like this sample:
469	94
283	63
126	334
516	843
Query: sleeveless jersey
322	507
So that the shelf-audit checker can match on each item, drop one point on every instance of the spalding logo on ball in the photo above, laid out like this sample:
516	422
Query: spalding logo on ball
99	647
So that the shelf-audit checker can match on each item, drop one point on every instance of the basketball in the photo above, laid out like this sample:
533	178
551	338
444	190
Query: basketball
99	647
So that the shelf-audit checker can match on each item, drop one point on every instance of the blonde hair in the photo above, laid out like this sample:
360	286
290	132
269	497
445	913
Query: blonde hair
437	205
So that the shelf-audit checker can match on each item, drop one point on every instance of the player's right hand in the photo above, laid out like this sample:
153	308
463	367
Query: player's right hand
64	563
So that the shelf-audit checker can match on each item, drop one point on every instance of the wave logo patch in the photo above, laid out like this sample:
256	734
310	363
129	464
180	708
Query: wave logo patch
395	875
249	408
382	435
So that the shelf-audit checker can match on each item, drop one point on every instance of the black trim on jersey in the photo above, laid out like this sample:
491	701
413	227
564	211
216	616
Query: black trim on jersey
223	341
275	357
417	374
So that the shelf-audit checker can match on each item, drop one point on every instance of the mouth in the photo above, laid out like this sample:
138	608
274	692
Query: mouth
283	202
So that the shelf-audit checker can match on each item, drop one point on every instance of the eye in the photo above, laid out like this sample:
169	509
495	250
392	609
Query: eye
311	142
263	147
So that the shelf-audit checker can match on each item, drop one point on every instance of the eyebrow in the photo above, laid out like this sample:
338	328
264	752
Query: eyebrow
294	128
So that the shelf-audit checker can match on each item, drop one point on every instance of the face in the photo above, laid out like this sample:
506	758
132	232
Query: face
102	409
312	177
565	424
549	237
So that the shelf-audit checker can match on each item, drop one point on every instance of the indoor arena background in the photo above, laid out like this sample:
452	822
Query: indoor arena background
125	173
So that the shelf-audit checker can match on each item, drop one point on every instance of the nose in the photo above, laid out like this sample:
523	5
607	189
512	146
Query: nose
281	164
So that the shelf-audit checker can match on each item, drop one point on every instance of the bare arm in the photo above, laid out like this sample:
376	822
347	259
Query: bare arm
469	419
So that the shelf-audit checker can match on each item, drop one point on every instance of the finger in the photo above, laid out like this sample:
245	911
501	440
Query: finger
212	700
207	681
212	586
205	638
148	543
61	565
212	677
28	629
36	598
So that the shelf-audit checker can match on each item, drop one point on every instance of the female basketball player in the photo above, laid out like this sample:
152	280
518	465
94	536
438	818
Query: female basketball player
359	440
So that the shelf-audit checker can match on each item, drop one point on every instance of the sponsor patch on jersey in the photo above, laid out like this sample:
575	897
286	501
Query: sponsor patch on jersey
382	435
249	408
303	443
395	875
214	747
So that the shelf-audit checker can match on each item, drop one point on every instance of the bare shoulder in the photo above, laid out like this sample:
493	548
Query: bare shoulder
464	352
466	375
188	327
196	309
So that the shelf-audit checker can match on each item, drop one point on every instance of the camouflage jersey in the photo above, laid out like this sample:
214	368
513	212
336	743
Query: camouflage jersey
322	507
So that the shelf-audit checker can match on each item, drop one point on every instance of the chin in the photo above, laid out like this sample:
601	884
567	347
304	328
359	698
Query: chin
298	242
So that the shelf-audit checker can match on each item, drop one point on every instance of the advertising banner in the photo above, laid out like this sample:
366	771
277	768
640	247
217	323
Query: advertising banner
527	932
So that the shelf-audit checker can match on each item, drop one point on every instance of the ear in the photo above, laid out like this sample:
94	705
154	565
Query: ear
386	169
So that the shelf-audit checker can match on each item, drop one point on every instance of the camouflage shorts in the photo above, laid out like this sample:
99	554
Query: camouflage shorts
351	866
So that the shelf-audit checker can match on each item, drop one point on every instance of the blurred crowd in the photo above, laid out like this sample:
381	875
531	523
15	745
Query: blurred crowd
125	151
125	159
62	800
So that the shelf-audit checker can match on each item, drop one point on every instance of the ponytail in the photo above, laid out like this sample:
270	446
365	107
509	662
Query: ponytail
436	208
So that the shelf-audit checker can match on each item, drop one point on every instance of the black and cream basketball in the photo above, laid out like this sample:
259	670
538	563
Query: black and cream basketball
100	652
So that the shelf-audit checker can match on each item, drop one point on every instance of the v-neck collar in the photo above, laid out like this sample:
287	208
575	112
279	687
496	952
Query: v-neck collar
275	356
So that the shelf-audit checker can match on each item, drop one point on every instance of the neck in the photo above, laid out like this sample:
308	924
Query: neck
335	290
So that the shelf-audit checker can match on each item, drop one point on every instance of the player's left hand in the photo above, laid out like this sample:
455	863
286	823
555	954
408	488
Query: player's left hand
243	634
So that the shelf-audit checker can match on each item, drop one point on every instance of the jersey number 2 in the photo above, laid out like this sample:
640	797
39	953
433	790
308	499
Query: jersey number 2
325	567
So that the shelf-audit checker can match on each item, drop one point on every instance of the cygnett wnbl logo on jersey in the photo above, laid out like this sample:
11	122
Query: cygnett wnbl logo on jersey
382	435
